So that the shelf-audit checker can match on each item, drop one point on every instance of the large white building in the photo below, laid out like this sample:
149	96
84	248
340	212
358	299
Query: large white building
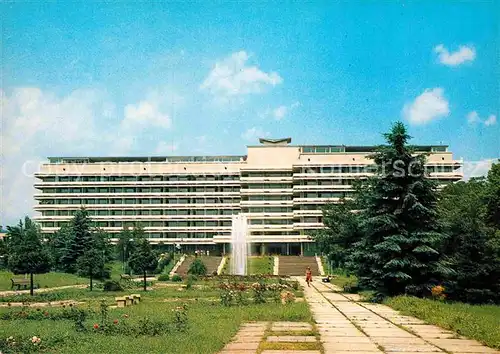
190	199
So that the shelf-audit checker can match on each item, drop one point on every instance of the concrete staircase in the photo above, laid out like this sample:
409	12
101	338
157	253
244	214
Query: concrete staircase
296	265
212	263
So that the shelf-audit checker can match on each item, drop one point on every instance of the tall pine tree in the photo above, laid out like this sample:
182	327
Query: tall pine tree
399	250
79	241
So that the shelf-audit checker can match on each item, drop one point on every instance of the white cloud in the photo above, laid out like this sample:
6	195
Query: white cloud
477	168
491	120
166	148
254	133
463	54
473	117
145	113
232	77
430	105
280	112
37	124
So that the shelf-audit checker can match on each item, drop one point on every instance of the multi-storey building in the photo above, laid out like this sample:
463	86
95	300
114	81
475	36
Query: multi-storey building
190	200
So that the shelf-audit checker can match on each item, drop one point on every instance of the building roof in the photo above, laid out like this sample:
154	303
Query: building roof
319	149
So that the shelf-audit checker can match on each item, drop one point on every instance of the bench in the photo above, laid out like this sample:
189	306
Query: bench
136	298
121	301
20	282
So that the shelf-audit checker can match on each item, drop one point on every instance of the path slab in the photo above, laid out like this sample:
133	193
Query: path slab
292	339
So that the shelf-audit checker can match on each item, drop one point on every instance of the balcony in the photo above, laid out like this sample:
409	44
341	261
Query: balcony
288	191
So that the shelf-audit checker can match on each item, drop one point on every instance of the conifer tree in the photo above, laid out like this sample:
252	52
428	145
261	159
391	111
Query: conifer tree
81	237
142	259
399	250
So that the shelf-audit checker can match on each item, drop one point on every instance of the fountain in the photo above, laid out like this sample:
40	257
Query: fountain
239	244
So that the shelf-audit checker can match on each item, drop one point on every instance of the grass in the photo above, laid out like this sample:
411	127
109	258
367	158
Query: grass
48	280
480	322
255	265
260	265
211	325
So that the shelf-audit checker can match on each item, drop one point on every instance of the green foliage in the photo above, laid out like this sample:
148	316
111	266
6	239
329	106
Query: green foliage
197	268
92	262
393	240
473	244
342	231
112	285
58	244
143	259
79	240
176	278
163	277
26	251
164	260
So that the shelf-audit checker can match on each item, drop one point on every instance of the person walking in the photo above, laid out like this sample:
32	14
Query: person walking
308	276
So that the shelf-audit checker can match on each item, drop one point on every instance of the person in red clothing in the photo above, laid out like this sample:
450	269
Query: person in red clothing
309	276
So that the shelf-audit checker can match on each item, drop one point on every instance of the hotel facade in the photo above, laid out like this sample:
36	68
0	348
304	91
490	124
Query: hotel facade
190	200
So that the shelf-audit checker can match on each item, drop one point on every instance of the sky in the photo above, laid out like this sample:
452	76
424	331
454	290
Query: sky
203	78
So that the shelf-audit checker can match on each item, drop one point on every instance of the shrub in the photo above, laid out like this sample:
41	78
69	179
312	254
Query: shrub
190	280
112	285
163	277
176	277
197	268
165	259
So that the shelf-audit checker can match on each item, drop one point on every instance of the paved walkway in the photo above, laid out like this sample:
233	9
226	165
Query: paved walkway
346	326
41	290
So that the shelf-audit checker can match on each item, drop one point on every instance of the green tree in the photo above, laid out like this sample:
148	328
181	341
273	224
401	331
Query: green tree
27	253
92	263
124	248
492	196
3	254
399	250
58	244
341	233
473	245
197	268
142	259
81	237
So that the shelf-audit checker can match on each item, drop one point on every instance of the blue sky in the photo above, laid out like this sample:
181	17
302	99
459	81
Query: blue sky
186	78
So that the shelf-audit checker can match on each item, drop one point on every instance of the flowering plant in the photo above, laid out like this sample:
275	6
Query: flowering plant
438	292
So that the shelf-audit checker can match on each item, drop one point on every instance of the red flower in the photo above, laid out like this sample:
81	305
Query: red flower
115	321
96	326
46	313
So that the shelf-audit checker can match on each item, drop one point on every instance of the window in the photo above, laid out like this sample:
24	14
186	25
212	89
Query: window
129	201
103	201
156	212
156	201
129	212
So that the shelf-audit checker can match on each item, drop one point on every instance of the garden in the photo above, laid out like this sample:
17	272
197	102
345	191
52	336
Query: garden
169	316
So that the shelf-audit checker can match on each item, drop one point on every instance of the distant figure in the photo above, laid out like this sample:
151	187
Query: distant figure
309	276
208	253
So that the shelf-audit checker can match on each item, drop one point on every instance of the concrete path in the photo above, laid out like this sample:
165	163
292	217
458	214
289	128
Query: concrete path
41	290
347	326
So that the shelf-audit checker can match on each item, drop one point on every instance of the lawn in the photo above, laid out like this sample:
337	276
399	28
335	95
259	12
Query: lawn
480	322
255	265
210	324
47	280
